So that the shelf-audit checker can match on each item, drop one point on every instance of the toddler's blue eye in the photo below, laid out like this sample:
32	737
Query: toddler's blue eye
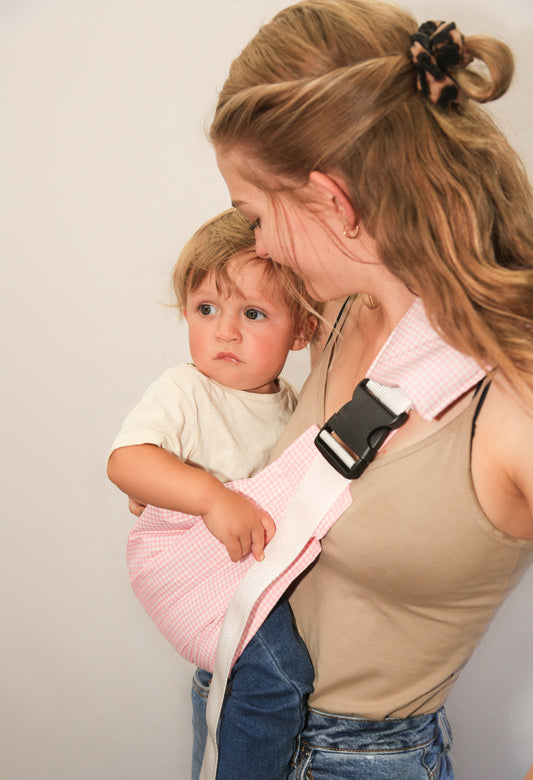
254	314
206	309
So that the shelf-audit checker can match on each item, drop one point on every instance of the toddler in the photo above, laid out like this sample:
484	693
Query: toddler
215	420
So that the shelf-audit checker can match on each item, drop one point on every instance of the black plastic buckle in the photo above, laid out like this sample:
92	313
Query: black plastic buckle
350	439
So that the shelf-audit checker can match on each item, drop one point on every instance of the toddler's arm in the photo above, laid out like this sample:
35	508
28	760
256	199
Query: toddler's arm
149	474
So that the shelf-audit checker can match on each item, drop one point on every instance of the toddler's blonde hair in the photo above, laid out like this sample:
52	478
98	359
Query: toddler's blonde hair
227	237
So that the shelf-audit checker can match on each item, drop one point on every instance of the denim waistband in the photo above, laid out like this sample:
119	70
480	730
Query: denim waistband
347	732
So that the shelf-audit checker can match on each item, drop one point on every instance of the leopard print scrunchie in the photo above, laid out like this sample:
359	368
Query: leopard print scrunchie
436	49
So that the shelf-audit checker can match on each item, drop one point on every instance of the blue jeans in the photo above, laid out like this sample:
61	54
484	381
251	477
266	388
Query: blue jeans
265	705
343	747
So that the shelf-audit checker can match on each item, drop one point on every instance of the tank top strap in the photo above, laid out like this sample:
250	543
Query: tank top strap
482	389
340	316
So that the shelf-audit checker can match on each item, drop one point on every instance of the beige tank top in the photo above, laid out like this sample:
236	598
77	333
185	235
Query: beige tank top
408	578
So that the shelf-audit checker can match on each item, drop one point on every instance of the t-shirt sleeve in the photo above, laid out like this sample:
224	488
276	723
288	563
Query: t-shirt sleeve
164	416
289	395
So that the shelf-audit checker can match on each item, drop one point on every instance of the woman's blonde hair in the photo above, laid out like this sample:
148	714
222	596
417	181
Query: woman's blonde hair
329	85
227	237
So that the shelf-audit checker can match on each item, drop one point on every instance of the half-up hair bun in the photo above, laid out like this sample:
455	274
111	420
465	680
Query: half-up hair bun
441	56
437	49
498	62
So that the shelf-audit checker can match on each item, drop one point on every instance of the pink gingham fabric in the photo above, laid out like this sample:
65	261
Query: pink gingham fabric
187	599
183	576
428	370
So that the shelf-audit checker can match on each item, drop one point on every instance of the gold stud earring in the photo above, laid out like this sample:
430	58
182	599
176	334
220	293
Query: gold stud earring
354	233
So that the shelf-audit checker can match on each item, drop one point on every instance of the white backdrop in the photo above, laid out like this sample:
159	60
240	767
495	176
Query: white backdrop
105	172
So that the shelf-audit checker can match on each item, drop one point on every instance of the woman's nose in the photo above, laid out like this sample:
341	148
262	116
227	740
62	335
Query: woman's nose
260	249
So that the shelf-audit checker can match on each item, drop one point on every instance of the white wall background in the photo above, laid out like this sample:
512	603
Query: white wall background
105	172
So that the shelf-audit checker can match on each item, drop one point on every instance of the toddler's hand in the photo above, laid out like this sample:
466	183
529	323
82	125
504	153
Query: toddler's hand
239	524
135	507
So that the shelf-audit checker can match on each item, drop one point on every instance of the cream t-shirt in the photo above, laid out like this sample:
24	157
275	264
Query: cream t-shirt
228	432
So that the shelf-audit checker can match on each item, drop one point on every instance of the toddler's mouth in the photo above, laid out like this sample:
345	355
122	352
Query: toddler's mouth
228	356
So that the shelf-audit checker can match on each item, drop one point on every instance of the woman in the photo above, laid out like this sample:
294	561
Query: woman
354	143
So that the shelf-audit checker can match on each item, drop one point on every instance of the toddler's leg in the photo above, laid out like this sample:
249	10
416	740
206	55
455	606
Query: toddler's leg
199	693
265	707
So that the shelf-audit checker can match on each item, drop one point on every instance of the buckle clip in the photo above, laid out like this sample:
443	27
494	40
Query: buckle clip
351	438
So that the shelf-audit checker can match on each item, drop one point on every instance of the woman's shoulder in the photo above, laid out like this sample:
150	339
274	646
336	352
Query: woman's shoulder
501	465
508	417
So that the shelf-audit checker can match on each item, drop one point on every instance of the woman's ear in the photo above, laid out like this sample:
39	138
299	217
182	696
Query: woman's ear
333	189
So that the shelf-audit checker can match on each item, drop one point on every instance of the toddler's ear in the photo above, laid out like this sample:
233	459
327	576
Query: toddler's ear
305	332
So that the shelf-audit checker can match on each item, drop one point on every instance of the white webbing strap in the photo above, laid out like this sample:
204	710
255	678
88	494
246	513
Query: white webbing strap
393	398
318	490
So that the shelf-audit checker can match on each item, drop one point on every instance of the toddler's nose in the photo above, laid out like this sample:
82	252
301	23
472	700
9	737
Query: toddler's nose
228	329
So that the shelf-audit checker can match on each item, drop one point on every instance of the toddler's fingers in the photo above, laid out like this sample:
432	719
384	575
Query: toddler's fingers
135	507
234	548
258	543
269	527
